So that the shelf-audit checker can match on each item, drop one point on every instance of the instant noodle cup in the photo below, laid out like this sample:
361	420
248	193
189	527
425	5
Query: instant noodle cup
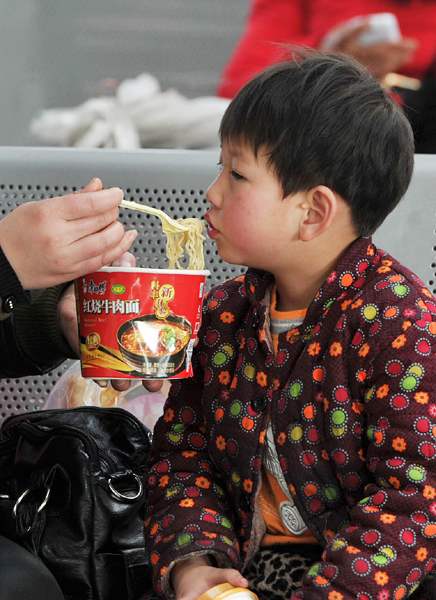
226	591
138	323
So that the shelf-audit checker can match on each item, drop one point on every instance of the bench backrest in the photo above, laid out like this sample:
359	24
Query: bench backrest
176	182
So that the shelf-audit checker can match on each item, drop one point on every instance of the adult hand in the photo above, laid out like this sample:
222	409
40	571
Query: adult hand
380	59
154	385
58	239
67	318
193	576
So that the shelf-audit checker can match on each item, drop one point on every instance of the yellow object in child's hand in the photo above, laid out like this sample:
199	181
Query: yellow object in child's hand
226	591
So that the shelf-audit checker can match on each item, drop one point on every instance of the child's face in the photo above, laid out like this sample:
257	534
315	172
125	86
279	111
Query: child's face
249	219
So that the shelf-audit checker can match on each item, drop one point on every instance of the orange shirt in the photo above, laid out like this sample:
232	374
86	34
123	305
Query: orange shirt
284	524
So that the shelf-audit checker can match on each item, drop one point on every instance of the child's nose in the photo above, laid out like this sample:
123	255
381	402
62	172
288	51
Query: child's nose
212	194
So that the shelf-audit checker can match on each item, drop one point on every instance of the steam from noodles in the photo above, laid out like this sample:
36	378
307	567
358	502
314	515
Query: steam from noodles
190	241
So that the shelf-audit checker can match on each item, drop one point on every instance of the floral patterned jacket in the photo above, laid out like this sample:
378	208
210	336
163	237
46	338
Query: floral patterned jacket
351	396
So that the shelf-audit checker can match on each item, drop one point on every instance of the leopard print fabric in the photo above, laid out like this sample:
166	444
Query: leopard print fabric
275	573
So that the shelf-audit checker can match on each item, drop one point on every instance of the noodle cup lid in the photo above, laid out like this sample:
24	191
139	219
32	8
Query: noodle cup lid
229	592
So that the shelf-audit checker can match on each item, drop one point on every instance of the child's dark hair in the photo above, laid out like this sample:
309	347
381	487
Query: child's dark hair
323	119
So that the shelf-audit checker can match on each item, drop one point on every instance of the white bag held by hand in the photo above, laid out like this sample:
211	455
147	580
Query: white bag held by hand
382	27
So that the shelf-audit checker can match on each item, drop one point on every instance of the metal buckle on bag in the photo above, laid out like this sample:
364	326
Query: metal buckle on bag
117	494
24	494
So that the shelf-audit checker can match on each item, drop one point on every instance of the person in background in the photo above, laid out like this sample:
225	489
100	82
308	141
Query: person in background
299	459
273	24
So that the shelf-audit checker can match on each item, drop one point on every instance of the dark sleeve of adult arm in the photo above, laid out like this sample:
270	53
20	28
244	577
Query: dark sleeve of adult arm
30	341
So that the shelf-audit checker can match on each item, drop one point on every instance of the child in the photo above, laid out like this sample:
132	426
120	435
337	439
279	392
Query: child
305	438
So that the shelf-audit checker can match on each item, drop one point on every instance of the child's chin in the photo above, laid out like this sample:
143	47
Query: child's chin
228	257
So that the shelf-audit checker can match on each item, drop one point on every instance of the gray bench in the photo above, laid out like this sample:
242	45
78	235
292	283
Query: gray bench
176	181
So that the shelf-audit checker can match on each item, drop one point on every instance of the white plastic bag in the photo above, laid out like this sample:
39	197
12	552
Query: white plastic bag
140	114
97	123
73	390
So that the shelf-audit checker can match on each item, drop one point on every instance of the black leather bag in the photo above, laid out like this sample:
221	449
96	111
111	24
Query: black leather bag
72	491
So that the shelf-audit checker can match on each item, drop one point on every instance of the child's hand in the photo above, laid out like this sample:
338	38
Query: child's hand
193	576
58	239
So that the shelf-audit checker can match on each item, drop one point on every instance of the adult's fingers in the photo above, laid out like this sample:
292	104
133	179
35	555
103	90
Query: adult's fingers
95	244
121	385
93	257
126	260
94	185
152	385
86	203
76	229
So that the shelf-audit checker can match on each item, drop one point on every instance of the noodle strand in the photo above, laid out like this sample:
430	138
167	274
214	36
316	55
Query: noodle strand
190	241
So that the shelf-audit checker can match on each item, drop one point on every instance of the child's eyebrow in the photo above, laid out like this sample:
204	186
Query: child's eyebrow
236	152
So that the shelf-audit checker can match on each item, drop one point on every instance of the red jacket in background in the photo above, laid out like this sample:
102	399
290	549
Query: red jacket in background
272	23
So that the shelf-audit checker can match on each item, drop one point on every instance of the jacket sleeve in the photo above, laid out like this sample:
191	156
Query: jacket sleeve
188	510
270	25
389	546
30	341
11	290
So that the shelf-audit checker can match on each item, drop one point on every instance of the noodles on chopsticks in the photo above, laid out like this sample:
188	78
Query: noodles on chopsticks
190	241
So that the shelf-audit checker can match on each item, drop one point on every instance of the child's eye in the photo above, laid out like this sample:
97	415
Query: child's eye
220	165
237	176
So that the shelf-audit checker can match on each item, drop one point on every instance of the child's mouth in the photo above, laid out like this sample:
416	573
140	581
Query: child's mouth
211	231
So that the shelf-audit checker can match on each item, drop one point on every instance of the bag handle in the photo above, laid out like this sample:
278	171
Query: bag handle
138	573
38	510
121	496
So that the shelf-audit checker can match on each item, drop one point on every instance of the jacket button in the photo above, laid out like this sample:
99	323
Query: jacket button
259	403
9	304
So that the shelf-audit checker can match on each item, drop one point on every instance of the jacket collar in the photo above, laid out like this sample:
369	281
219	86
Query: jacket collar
344	282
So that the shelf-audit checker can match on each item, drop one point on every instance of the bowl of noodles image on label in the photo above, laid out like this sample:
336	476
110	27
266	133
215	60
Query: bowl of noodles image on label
138	323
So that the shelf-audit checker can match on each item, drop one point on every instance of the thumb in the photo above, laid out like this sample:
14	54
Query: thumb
95	185
126	260
231	576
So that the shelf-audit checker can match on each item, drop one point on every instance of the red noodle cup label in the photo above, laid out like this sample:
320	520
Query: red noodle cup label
138	323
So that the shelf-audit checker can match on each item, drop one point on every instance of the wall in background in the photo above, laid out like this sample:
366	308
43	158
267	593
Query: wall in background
59	53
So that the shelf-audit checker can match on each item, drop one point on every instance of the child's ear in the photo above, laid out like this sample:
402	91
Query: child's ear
320	207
